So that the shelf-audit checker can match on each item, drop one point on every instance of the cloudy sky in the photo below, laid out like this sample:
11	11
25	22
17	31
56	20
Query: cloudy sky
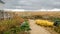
31	4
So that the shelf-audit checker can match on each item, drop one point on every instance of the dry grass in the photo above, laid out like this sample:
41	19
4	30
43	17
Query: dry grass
55	14
51	30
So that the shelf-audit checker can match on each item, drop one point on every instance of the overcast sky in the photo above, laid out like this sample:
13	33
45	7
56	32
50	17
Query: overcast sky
31	4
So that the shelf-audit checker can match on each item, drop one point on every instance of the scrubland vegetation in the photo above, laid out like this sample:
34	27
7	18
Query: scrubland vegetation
19	23
16	25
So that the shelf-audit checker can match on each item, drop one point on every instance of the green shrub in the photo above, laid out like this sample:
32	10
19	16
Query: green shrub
57	28
25	26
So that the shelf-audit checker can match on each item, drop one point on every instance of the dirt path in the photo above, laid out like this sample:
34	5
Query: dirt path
37	29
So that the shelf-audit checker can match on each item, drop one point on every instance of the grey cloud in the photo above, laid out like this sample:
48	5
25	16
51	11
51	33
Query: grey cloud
32	4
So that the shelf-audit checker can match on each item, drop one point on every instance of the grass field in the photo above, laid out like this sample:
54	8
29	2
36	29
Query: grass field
44	13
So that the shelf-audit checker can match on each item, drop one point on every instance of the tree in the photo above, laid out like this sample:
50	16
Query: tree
1	2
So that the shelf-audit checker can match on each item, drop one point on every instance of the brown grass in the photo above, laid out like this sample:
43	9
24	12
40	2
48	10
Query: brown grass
56	13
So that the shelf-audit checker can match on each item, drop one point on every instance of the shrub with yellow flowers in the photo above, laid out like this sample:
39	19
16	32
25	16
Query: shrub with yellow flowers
44	22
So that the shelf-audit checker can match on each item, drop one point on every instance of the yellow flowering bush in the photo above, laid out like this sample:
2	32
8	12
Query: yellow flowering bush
44	22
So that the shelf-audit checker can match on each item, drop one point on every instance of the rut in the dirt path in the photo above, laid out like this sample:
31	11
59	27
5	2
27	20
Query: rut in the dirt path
37	29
